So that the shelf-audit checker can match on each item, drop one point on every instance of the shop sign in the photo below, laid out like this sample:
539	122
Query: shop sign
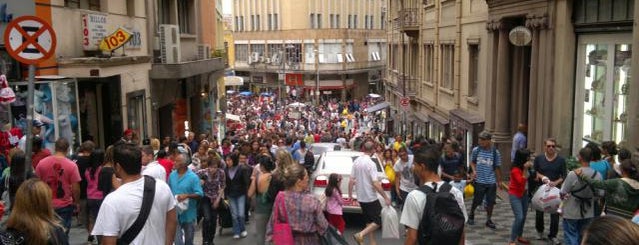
294	79
136	39
117	39
93	30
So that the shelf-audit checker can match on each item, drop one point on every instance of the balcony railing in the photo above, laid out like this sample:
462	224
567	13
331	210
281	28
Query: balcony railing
409	19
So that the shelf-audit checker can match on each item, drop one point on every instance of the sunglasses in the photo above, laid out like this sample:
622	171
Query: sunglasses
551	146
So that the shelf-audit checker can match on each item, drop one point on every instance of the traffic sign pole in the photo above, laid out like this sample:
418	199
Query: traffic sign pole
29	142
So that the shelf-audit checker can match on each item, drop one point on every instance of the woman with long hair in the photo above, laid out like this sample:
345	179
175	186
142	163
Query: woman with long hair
518	194
259	187
237	181
94	194
107	181
33	218
302	208
334	202
17	173
213	182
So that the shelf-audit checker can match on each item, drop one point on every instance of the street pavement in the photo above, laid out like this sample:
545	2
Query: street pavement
475	235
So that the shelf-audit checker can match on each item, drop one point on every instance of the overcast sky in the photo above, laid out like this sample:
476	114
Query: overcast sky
227	5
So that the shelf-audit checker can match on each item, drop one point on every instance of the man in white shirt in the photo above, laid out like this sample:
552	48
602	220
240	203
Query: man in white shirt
121	208
150	167
425	167
364	172
404	177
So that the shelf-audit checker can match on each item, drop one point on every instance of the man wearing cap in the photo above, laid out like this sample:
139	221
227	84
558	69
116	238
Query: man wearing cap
127	137
485	161
36	128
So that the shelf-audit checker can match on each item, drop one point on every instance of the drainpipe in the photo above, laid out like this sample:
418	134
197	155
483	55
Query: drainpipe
436	54
458	49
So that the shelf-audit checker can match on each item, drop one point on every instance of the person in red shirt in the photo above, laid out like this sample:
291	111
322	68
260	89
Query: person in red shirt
518	194
165	162
39	153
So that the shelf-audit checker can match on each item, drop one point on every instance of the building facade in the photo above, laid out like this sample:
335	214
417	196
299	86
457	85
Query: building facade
562	67
86	93
435	48
327	48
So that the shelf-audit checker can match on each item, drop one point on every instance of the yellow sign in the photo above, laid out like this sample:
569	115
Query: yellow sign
118	38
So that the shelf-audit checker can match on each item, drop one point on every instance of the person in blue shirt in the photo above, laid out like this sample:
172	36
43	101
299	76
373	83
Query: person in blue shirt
187	189
485	162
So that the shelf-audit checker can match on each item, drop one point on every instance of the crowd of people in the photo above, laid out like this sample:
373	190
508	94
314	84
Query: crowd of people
155	191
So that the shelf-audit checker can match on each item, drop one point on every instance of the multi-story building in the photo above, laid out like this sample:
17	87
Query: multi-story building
164	75
185	73
561	67
333	46
435	48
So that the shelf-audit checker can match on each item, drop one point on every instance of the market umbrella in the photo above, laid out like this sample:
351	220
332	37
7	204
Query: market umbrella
230	91
246	93
297	104
265	94
374	95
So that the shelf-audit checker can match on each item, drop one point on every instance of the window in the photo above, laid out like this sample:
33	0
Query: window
257	48
312	21
164	13
252	22
383	20
274	52
83	4
319	21
130	6
372	21
241	23
237	23
276	21
337	22
184	16
354	21
428	63
293	53
448	65
258	23
329	52
72	3
269	21
395	53
365	21
473	69
95	5
241	52
350	21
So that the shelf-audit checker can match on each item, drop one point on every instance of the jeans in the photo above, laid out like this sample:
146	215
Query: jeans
573	229
209	222
66	214
237	212
554	223
187	230
520	209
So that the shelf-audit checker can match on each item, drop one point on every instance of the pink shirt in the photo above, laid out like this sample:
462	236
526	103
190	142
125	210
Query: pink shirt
92	184
334	203
60	174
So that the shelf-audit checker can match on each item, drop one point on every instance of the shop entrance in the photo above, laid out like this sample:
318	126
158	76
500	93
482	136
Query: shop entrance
100	110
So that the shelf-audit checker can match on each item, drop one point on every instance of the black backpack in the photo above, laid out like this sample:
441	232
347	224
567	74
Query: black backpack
443	220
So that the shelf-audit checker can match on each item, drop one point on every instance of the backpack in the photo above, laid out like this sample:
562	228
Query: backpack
442	221
584	202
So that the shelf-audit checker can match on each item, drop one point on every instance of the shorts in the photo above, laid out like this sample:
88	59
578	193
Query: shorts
93	207
372	212
487	190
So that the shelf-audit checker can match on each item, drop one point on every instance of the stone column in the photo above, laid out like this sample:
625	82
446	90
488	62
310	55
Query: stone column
491	74
632	132
535	112
502	95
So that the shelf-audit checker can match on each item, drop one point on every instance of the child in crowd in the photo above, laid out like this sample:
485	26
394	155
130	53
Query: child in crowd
334	202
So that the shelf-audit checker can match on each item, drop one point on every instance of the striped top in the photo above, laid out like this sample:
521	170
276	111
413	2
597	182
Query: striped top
486	160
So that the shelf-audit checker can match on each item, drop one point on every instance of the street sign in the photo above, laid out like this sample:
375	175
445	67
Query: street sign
404	102
117	39
29	39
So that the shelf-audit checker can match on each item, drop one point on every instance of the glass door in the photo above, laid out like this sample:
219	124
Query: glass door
603	77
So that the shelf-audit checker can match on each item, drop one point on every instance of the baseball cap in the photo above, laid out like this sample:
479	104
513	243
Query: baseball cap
485	135
37	123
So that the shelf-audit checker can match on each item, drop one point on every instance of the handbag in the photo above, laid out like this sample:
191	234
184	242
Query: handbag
147	202
332	237
282	233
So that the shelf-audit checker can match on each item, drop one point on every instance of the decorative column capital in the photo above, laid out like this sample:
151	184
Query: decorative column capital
537	21
497	25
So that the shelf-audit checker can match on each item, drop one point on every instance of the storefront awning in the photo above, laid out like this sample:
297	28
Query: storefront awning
377	107
421	117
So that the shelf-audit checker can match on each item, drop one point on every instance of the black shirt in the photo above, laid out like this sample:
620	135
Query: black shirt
83	163
554	169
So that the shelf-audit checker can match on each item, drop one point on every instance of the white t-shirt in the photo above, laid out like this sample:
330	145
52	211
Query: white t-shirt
416	200
407	181
364	172
155	170
121	208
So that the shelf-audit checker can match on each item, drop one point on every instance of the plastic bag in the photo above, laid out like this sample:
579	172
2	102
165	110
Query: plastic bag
460	185
546	199
390	223
469	191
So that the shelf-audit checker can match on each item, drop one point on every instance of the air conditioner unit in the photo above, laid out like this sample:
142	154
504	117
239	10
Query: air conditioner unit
267	60
170	44
340	58
203	51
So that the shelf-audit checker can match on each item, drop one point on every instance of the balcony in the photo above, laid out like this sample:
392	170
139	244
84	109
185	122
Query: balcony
406	86
409	21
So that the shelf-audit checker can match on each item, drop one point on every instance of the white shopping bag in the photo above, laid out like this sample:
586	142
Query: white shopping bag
390	223
546	199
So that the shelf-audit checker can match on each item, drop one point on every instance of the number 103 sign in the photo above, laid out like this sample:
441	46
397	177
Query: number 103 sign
118	38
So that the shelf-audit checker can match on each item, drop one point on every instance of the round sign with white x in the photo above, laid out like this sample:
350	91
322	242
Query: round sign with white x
29	39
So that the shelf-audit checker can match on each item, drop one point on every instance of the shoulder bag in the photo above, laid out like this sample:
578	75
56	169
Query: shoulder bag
282	232
147	201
